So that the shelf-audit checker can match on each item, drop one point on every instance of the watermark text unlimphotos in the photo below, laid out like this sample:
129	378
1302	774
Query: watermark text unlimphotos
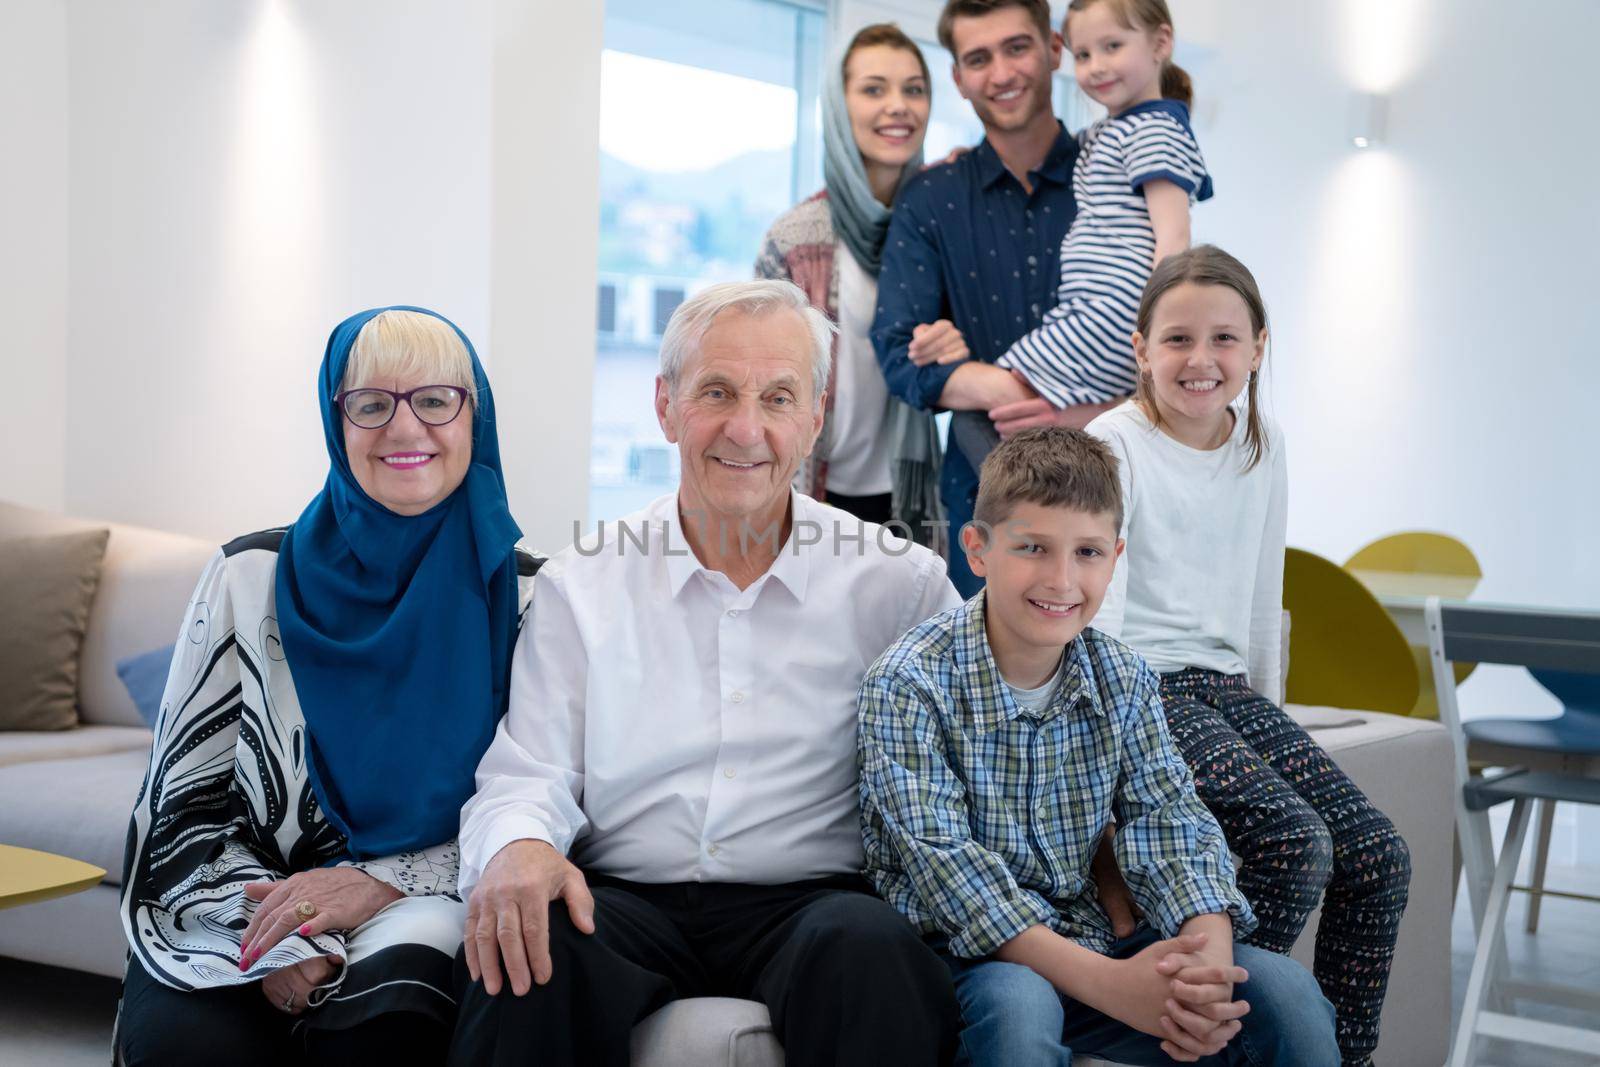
661	537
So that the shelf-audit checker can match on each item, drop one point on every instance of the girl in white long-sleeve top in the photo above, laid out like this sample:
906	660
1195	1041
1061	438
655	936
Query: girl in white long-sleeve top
1199	594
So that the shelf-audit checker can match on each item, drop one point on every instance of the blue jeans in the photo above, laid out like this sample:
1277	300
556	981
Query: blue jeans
1012	1017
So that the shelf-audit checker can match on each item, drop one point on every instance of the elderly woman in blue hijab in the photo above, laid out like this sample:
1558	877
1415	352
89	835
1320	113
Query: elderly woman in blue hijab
289	892
877	458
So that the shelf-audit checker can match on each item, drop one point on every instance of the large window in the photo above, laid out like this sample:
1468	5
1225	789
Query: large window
708	132
710	117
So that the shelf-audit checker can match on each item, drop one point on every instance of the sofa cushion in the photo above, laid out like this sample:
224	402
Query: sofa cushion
47	587
1339	730
73	807
149	577
708	1031
145	678
144	587
27	746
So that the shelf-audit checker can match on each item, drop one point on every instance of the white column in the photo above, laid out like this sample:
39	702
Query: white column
544	248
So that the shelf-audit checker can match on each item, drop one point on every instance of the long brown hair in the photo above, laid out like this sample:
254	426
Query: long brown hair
1207	265
888	35
1149	16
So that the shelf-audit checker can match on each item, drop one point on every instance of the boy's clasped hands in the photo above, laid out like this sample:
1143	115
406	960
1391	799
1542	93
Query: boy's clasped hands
1190	998
1180	989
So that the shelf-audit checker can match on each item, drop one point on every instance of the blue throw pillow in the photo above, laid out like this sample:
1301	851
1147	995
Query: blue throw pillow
144	677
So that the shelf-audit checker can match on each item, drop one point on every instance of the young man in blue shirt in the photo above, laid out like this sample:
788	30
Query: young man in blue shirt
998	740
973	244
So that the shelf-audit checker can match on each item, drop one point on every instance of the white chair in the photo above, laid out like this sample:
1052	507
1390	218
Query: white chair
1553	640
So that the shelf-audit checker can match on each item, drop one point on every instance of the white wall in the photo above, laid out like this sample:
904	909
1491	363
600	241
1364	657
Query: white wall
33	250
245	175
1431	365
545	255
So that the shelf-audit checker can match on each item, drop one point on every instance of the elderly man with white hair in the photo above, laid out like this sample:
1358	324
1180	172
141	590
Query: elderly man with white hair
669	807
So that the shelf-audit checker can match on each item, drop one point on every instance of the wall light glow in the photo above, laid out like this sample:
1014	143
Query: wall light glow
1362	282
274	202
1381	41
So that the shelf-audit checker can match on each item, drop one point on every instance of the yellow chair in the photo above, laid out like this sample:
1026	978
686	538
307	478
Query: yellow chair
1417	552
1423	564
1344	649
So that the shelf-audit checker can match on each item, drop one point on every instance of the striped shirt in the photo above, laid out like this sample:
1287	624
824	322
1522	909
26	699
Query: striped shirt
1081	353
980	818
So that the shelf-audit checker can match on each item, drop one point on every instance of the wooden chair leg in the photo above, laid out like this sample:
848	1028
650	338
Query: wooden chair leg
1476	841
1541	859
1489	957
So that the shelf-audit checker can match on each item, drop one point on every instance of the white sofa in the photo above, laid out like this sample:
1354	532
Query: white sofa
71	793
1403	765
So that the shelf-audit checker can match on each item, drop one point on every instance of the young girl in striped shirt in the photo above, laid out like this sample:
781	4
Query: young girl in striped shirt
1137	172
1199	594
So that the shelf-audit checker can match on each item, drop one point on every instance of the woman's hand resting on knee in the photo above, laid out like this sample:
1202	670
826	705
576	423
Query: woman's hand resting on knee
327	898
289	988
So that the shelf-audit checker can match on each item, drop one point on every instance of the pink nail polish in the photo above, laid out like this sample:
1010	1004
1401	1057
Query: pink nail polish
304	930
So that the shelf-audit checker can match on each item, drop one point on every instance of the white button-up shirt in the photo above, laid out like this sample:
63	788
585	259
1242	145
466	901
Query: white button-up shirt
667	726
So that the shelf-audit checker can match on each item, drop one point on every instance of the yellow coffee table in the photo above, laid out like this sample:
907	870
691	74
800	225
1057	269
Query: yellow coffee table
28	875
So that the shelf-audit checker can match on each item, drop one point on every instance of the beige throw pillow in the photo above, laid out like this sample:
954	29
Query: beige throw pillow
47	586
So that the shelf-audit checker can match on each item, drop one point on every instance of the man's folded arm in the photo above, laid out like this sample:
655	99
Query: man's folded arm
910	293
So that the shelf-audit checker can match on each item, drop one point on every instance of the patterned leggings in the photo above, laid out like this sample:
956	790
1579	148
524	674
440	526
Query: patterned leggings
1303	831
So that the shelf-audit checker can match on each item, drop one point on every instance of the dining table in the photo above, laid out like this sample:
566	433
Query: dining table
1403	595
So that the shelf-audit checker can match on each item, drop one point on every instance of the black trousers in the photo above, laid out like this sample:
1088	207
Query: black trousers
875	508
845	977
157	1024
974	434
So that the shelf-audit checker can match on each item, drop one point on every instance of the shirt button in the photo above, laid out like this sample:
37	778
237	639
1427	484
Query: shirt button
733	613
712	850
729	772
737	696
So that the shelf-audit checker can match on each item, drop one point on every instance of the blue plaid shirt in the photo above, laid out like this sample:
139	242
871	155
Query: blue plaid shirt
980	819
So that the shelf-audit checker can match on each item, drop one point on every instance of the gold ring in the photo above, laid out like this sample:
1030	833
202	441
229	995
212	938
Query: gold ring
305	909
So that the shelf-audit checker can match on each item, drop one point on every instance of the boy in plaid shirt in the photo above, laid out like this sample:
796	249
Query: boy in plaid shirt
998	743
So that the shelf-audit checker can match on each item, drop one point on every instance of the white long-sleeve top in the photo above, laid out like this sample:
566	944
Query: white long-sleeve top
1200	583
666	726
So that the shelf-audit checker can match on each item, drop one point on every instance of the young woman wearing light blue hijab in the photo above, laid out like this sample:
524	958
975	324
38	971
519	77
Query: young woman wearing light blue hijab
289	891
877	458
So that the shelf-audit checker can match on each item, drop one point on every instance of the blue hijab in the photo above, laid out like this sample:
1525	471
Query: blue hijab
399	632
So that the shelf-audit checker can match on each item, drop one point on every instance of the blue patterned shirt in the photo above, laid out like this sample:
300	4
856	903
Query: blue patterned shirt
980	819
967	243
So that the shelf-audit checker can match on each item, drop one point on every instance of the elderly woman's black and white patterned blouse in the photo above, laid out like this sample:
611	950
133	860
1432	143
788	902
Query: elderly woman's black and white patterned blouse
228	801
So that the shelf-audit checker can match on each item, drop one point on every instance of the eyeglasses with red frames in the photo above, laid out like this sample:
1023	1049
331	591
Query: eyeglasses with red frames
371	408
